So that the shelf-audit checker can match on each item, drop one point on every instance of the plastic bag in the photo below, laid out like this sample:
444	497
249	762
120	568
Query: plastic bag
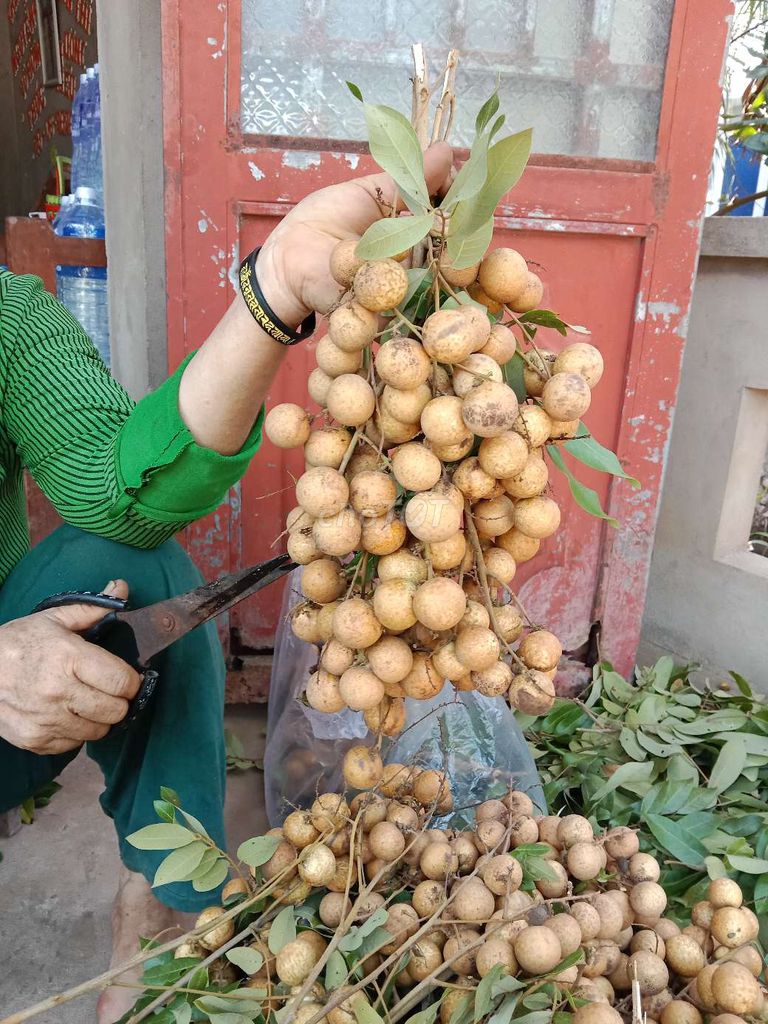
476	739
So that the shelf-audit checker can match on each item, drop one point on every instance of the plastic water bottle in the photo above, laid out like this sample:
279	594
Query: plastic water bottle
77	126
83	290
61	217
96	168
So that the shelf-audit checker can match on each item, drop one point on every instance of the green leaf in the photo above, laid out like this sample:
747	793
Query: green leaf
715	867
729	765
365	1013
504	1013
544	318
757	745
166	793
282	931
486	112
257	851
498	124
631	746
593	454
506	162
182	1014
749	865
336	971
484	991
212	877
417	278
161	837
467	249
393	235
165	810
761	896
471	177
396	150
514	371
180	865
744	688
355	90
194	823
248	960
632	774
584	496
424	1016
676	838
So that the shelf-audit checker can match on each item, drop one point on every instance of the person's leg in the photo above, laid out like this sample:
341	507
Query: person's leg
178	740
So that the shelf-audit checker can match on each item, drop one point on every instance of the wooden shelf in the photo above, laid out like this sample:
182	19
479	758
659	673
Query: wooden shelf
31	247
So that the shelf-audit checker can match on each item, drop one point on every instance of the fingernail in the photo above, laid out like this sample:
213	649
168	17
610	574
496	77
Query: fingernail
110	587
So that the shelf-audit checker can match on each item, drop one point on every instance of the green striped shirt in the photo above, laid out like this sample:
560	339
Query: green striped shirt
130	472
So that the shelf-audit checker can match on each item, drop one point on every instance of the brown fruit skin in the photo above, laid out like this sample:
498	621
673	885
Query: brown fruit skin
501	344
350	400
533	425
622	843
490	409
473	901
538	950
447	336
724	892
583	358
422	682
333	362
326	447
430	516
382	535
494	516
287	425
322	491
355	625
730	927
532	693
322	581
530	481
493	681
685	956
403	363
680	1011
503	274
477	648
362	767
596	1013
219	933
530	296
735	990
504	455
344	264
415	467
352	327
318	383
380	285
651	970
439	603
537	517
566	396
541	650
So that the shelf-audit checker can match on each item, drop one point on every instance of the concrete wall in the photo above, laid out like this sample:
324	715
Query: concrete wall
8	139
132	119
708	595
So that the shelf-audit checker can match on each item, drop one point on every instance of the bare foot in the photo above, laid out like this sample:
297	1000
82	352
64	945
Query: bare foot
135	912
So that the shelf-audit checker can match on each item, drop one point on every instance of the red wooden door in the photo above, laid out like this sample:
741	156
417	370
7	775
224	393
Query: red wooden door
623	97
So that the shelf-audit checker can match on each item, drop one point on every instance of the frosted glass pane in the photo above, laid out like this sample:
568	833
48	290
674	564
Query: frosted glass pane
590	83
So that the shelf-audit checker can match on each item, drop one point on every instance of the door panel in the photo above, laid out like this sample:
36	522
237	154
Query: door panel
609	206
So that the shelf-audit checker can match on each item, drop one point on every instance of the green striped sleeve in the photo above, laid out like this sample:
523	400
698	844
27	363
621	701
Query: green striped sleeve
132	473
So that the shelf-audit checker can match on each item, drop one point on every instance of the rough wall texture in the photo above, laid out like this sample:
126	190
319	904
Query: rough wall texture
34	117
707	598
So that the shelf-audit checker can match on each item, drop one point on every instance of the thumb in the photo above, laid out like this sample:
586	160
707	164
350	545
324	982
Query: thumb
438	163
77	617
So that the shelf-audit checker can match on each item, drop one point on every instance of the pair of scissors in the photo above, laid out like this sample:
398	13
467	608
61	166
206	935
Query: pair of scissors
137	635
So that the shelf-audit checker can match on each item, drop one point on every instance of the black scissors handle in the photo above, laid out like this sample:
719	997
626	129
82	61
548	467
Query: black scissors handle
106	633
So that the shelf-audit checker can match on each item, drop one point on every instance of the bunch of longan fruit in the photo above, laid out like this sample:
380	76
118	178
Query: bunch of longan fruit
459	904
425	486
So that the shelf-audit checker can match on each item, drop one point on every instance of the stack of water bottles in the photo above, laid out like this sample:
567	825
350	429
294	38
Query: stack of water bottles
83	290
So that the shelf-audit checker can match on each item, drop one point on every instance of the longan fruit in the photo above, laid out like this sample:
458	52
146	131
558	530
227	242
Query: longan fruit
490	409
538	950
322	581
294	962
403	363
449	553
362	767
685	956
509	622
541	650
517	544
651	971
567	930
380	285
327	446
322	492
749	957
415	467
494	516
477	648
650	941
490	836
537	517
644	868
402	565
304	623
609	910
438	861
397	780
287	425
530	295
430	787
680	1011
382	535
447	336
361	688
405	406
566	396
550	888
393	604
472	901
453	452
428	897
533	425
355	625
503	274
587	919
538	369
456	278
441	420
730	927
648	899
439	603
317	865
595	1013
322	692
532	693
333	908
423	681
494	681
735	990
219	933
581	358
387	841
501	344
330	812
337	535
390	658
299	830
344	264
318	384
530	481
333	361
336	658
350	400
431	516
352	327
504	455
472	480
502	874
496	951
462	963
724	892
621	843
475	369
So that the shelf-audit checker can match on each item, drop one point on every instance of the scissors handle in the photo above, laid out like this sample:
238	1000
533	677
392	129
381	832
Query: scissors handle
114	636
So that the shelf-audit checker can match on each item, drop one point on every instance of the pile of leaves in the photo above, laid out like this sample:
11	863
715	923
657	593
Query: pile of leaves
688	768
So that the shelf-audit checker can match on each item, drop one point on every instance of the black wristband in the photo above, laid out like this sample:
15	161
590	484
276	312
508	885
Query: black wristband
261	311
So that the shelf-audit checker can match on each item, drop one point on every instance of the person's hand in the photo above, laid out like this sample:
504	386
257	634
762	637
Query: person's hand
293	265
56	689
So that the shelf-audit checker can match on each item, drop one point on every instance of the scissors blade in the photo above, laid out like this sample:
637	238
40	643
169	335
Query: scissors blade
157	626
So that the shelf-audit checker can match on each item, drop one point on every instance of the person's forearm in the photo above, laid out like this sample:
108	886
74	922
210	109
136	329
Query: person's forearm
226	382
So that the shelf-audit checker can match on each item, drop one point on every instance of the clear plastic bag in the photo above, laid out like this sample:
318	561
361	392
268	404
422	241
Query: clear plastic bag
476	739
